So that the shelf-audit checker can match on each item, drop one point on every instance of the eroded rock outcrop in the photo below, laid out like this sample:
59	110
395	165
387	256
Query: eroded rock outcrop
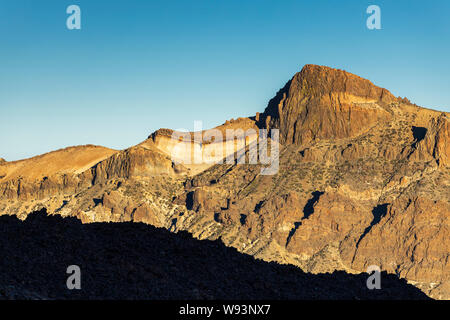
435	142
321	102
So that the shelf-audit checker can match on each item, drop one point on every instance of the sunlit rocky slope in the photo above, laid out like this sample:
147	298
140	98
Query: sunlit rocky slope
363	179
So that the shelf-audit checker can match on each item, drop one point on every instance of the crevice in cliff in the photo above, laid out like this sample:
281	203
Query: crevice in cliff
65	202
292	232
378	212
190	200
173	225
418	135
258	206
308	210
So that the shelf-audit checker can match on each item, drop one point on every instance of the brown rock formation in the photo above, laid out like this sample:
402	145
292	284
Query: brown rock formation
321	102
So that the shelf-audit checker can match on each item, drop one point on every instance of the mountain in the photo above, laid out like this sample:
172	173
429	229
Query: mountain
363	179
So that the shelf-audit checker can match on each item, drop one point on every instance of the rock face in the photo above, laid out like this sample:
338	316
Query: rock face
200	150
363	179
437	140
321	102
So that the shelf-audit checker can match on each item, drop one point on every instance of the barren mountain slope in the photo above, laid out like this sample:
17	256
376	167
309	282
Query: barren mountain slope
364	179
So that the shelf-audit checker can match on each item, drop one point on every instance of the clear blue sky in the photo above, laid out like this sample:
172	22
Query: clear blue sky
136	65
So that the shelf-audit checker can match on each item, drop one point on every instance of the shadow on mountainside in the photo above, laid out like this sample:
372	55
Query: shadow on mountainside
138	261
308	210
378	212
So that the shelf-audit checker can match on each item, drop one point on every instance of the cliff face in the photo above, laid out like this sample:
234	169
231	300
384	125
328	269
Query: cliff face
321	102
363	179
437	142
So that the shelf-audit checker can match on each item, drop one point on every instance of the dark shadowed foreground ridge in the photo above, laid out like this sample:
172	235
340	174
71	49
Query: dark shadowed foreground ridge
138	261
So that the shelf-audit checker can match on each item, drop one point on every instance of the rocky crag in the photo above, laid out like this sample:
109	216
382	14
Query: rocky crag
363	179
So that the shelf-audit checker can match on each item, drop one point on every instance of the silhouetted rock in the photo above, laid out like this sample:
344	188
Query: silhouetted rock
138	261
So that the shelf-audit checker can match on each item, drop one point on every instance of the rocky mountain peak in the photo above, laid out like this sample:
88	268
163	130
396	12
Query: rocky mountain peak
321	80
322	102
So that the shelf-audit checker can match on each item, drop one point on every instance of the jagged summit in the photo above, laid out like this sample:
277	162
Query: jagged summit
322	102
321	80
